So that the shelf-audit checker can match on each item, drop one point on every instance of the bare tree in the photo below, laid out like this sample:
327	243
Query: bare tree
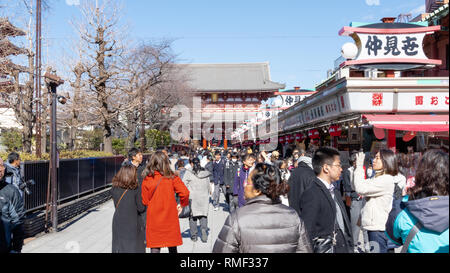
144	71
99	29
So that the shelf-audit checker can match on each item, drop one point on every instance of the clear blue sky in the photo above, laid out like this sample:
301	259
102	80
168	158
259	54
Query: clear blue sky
298	38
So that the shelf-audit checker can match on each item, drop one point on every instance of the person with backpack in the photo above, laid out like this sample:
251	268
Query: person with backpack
420	221
197	182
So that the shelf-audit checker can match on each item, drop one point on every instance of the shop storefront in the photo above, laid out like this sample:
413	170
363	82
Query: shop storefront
351	112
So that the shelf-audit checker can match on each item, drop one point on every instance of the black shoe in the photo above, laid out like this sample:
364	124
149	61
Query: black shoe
194	239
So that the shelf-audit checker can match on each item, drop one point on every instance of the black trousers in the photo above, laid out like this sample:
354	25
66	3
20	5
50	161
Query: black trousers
18	237
158	250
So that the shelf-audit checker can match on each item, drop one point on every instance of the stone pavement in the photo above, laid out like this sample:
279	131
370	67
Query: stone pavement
91	232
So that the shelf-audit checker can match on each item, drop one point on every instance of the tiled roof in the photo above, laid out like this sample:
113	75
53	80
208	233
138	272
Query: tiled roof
230	77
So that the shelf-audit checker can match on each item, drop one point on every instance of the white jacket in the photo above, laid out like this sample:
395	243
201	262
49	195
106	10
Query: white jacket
378	193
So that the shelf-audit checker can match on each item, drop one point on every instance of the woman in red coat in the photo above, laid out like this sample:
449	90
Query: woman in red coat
158	194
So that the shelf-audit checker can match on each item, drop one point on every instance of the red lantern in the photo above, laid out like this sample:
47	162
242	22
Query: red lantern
314	134
300	137
335	131
281	139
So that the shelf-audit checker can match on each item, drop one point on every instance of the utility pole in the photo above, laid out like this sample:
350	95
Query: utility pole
38	78
53	81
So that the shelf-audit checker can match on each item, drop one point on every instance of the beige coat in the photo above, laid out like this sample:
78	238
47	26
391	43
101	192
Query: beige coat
378	193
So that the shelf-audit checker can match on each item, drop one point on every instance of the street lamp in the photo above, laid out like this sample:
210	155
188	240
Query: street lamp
53	81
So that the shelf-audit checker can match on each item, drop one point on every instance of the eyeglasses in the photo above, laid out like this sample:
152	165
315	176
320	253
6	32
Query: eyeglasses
337	165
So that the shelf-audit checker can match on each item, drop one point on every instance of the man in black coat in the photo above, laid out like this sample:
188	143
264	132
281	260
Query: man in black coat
12	216
231	169
3	244
301	179
218	175
321	206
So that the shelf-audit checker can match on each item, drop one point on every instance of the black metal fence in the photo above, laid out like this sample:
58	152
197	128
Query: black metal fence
76	177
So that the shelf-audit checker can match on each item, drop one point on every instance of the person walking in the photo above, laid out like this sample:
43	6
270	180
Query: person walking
355	202
218	173
12	206
158	194
231	169
241	178
3	242
263	225
128	233
322	209
378	192
301	179
197	182
285	174
420	221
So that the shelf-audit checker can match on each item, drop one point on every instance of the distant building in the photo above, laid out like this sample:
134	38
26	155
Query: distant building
228	93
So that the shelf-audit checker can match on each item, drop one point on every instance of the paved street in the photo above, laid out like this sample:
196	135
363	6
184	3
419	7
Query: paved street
91	232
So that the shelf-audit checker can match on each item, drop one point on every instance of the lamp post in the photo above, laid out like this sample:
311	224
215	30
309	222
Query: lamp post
53	81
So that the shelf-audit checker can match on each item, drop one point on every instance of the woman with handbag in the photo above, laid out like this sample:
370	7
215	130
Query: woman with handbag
127	230
197	181
158	194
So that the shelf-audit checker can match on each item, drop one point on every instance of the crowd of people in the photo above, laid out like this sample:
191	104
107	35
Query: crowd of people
306	203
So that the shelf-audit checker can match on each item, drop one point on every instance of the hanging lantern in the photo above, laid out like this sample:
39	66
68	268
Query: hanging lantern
409	136
314	134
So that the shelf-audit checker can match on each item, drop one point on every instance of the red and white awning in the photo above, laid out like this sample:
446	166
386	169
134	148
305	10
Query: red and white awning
414	123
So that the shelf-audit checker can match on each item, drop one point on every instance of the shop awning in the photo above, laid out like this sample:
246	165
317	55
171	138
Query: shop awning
414	123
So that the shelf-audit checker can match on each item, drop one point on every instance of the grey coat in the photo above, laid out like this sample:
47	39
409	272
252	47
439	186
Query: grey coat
262	226
198	186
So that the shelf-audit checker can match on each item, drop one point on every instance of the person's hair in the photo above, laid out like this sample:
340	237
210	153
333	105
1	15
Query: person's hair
266	178
126	178
247	156
182	153
196	166
132	153
431	176
390	164
234	154
209	157
322	156
310	151
13	156
217	153
180	163
301	152
278	164
352	159
159	162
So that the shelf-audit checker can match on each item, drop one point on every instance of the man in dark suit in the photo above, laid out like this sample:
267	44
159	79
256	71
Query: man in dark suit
301	179
218	175
321	206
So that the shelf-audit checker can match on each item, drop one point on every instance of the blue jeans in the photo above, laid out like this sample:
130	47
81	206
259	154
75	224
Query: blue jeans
378	242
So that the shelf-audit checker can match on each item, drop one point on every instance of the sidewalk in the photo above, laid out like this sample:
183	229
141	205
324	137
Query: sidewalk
91	232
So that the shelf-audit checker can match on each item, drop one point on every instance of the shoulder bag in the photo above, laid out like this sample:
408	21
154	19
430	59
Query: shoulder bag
415	229
121	198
